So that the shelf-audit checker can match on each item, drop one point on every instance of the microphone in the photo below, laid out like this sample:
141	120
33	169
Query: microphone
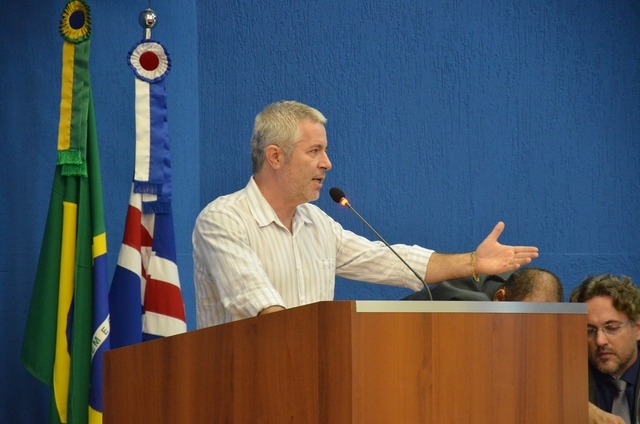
338	196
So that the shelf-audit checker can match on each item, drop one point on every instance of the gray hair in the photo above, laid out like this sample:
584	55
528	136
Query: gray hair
278	124
623	293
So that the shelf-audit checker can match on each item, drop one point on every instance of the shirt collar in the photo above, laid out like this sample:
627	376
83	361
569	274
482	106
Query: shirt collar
262	211
631	375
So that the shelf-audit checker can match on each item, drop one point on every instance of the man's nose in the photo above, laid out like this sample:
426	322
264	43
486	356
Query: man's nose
601	338
325	163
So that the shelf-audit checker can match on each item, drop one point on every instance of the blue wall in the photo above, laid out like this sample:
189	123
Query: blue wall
444	117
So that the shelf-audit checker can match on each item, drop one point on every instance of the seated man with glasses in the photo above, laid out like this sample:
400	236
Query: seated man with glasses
613	332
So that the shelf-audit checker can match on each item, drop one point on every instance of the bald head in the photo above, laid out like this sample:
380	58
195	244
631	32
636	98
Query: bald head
531	285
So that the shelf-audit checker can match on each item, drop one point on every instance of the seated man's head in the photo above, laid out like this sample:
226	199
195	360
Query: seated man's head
531	285
613	331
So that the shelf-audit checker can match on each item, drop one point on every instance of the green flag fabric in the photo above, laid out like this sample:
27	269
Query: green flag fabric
68	324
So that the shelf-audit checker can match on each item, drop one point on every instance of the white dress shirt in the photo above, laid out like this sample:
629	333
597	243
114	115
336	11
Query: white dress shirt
245	259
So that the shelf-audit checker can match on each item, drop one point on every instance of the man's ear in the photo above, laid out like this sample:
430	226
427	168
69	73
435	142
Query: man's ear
637	330
500	295
274	156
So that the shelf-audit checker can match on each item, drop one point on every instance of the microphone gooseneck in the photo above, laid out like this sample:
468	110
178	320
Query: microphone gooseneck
338	196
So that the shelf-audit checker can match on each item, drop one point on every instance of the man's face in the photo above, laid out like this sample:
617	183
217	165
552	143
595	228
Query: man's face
611	354
305	170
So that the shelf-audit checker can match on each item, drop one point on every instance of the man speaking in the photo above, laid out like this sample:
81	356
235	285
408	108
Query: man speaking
266	248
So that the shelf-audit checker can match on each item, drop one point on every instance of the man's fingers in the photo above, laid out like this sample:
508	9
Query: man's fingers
525	252
497	230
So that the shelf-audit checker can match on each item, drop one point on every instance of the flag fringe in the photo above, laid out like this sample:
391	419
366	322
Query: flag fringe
69	157
156	207
74	170
147	187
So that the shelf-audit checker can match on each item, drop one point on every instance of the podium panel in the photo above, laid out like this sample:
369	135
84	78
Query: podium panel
362	362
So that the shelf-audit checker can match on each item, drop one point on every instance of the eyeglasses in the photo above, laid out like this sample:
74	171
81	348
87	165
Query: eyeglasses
609	329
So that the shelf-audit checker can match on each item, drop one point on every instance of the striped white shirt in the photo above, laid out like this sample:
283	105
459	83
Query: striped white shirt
245	259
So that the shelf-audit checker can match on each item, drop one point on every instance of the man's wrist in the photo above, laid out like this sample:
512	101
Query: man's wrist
271	309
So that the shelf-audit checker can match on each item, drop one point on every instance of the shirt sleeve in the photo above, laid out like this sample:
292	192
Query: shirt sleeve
359	258
228	268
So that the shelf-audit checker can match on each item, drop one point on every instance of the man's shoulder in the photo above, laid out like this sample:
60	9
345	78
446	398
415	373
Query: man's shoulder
466	288
458	289
226	203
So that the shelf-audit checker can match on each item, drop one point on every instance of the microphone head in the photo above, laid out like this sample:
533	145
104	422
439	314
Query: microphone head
336	194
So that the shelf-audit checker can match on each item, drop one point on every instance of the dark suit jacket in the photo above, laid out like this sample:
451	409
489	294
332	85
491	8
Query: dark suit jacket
593	394
463	289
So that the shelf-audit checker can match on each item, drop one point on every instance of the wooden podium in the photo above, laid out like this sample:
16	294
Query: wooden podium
365	362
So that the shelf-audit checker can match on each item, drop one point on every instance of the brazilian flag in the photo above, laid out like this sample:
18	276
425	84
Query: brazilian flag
68	324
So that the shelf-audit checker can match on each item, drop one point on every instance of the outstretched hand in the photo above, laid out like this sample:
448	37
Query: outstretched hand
495	258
